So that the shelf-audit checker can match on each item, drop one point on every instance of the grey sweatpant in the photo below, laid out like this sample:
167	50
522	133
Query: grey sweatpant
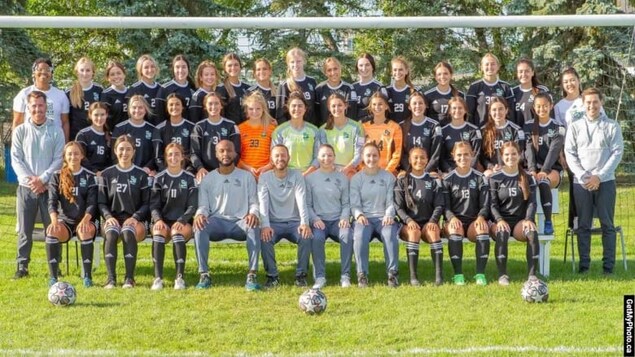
27	206
288	230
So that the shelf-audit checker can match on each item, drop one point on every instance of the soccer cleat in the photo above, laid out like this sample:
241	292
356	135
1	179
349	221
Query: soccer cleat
319	283
20	273
52	281
88	282
548	229
110	284
415	282
392	279
345	281
272	282
583	270
252	283
129	283
438	281
362	280
157	284
607	272
503	280
300	280
480	279
458	279
179	283
205	282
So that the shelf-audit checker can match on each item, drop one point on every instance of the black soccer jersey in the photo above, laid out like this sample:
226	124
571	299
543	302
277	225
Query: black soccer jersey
166	133
398	102
322	93
78	117
97	149
272	101
427	195
142	135
507	200
479	95
466	197
85	194
185	91
364	92
307	87
117	102
508	132
524	103
451	135
233	109
174	198
425	135
149	93
204	138
437	104
550	144
124	193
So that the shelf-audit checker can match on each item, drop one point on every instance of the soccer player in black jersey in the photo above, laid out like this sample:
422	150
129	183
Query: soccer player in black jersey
495	132
146	86
466	212
420	131
180	83
262	73
124	196
206	81
332	69
481	92
173	202
437	97
525	92
419	203
366	86
297	81
235	88
81	95
513	207
95	140
399	91
543	153
174	130
458	129
115	96
73	209
141	133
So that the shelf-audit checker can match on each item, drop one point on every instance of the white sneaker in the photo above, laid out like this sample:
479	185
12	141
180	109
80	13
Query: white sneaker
319	283
179	283
345	281
157	284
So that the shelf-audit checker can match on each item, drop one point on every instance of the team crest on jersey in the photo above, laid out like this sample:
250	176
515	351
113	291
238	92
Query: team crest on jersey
367	92
551	133
183	184
346	136
507	136
386	132
237	183
428	185
95	96
465	135
426	132
499	92
382	182
133	180
185	132
148	135
305	136
82	182
310	87
223	131
472	184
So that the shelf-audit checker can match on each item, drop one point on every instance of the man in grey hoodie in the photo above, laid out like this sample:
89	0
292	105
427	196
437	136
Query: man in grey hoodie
593	148
36	153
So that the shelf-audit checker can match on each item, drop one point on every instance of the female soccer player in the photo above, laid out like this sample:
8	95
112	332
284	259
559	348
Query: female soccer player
570	107
301	138
174	130
146	85
372	206
525	92
439	96
81	95
543	151
419	203
173	202
72	208
234	87
481	92
124	196
330	213
140	131
206	81
262	72
466	212
385	133
345	136
115	95
180	83
459	129
332	69
420	131
297	81
400	90
366	86
255	135
496	131
95	140
513	206
209	132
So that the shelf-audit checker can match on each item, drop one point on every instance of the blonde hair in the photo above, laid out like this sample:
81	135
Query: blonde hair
272	86
139	65
140	98
199	73
228	86
257	97
404	62
296	51
329	61
77	92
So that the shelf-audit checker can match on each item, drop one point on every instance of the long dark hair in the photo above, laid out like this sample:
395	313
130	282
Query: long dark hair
534	79
489	133
523	178
410	201
535	128
446	65
572	71
408	121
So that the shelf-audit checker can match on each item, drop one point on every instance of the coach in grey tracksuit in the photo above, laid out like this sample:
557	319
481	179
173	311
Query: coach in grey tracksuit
593	148
284	214
36	153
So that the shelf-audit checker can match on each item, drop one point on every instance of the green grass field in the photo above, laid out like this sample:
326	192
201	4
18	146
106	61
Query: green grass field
582	317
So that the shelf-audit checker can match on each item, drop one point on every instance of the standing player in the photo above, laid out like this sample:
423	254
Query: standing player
81	95
206	81
420	131
173	202
146	85
181	83
124	196
481	92
399	92
384	133
525	93
459	129
332	69
95	140
513	207
373	208
262	72
437	98
227	208
419	203
466	213
366	86
297	81
174	130
234	87
116	95
571	94
72	208
284	214
141	133
255	135
208	133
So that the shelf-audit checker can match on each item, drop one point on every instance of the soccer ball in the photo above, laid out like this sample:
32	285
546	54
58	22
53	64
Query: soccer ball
535	290
312	302
62	294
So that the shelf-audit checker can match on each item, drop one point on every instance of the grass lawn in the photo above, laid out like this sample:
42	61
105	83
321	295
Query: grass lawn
583	316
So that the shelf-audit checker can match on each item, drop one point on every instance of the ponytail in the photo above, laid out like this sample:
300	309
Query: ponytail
67	179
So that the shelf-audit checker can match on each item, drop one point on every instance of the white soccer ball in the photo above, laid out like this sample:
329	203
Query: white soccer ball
535	290
62	294
312	302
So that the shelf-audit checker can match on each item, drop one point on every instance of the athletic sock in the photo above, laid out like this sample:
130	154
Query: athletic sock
110	248
544	187
158	255
455	247
532	252
482	252
129	252
436	251
413	259
52	255
179	252
88	248
500	247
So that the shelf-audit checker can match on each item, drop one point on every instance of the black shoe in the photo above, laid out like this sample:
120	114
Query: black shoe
272	282
300	280
20	273
583	270
608	272
392	279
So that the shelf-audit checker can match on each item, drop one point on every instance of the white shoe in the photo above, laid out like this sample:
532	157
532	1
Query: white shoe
179	283
319	283
157	284
345	281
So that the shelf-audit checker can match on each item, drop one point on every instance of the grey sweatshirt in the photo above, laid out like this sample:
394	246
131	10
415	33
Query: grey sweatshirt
372	195
229	197
282	200
328	196
37	150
